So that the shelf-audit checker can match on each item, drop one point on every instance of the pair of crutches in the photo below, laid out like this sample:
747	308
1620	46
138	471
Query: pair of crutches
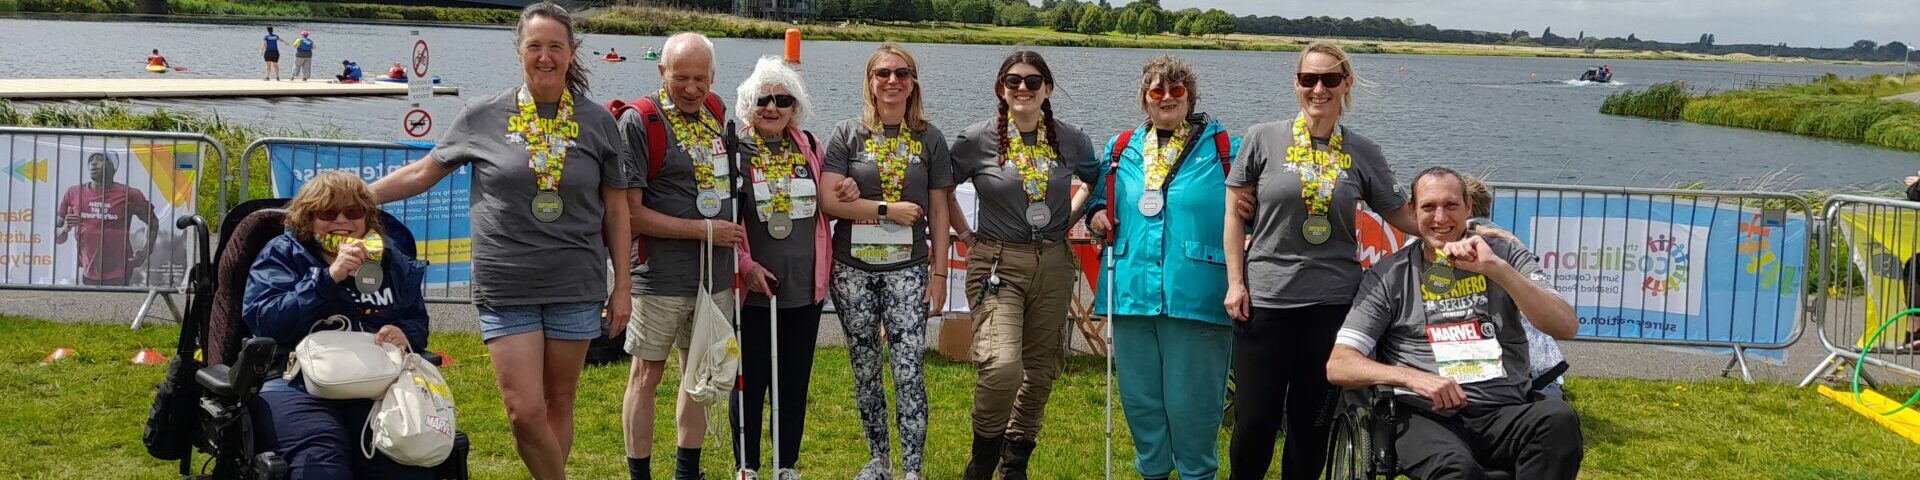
739	330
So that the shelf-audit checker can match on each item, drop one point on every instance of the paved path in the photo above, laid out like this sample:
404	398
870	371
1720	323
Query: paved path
1588	358
1911	97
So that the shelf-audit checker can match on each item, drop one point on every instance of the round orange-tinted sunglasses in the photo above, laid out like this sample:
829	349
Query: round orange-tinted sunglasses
1161	93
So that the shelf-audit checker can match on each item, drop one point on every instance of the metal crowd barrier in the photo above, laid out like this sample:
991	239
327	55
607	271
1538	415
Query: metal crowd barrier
438	217
94	210
1667	266
1878	238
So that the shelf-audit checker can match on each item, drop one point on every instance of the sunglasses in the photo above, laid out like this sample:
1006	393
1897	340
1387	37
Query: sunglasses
351	213
780	100
1329	79
1161	93
1013	82
902	72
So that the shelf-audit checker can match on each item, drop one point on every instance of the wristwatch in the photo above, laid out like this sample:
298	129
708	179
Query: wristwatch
883	209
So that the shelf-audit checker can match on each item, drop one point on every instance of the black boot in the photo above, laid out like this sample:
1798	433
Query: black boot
1013	461
986	455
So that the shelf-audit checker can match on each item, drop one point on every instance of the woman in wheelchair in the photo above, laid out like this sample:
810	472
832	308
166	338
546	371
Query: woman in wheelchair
308	274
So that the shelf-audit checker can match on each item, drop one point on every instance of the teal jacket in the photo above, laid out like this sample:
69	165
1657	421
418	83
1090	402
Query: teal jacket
1170	264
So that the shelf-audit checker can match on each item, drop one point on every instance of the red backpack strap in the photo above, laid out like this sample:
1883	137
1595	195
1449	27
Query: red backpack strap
718	109
1113	176
1224	145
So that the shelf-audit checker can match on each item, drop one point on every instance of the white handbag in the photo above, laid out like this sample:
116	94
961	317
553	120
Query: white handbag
343	364
414	423
713	355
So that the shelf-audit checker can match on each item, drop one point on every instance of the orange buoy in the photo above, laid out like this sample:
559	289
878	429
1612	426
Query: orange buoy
793	45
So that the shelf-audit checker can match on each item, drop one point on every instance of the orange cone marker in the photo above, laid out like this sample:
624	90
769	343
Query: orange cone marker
58	354
445	359
147	356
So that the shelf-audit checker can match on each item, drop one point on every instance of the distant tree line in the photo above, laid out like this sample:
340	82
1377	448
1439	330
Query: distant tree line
1147	17
1142	17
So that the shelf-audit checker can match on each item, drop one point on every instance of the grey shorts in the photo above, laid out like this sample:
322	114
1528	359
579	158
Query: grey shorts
558	321
662	324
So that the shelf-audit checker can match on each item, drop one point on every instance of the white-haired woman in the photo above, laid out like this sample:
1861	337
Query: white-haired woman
784	259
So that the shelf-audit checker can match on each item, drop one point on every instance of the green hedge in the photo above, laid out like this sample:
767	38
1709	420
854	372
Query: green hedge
1663	101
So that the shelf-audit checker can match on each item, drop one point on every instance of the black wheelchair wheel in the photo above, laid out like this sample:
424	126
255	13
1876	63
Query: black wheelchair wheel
1351	455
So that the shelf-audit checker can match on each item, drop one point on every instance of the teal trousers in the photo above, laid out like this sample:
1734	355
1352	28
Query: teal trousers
1172	376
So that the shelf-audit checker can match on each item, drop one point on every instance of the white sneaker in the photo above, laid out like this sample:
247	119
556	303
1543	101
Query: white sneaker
878	469
745	474
912	476
786	474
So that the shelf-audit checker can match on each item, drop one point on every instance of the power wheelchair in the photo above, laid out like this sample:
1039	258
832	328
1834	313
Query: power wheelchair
208	406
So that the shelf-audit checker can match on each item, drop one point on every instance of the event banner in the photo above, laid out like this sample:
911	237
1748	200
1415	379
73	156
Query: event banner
1637	267
1882	245
98	211
438	218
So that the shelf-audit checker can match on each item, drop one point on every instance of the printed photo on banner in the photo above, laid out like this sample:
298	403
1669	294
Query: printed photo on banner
438	218
90	211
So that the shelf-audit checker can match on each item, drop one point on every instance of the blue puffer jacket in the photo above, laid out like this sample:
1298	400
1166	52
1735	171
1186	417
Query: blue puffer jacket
290	289
1170	264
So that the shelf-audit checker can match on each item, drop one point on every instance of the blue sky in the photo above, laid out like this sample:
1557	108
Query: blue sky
1801	23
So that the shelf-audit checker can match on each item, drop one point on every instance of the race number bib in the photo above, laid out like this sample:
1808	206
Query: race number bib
1467	352
803	192
880	242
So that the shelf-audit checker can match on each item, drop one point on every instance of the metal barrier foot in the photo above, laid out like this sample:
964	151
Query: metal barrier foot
147	306
1739	359
1831	357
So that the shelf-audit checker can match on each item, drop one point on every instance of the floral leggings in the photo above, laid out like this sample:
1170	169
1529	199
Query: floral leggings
867	302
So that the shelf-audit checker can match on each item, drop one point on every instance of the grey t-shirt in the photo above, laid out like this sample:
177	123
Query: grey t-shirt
789	260
518	260
931	170
1397	319
672	265
1283	269
1002	195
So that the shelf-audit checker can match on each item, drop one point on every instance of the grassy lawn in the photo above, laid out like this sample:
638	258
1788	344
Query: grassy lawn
81	418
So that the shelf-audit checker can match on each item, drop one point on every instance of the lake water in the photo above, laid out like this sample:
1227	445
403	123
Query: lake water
1515	119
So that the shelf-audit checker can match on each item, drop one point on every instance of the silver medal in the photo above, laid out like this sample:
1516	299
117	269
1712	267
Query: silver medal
369	277
1038	214
780	226
547	206
709	203
1152	201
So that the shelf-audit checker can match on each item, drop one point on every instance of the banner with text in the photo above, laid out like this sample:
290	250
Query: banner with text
1644	267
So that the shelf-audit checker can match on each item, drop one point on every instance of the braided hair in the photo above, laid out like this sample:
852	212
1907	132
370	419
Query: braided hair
1033	58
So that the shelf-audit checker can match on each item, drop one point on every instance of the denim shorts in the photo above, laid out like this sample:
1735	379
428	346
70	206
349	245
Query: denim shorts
559	321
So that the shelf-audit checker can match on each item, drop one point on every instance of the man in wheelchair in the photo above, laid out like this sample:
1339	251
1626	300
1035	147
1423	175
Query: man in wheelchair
331	260
1444	320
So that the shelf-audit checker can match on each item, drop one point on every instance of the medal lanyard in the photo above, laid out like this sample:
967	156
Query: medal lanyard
778	175
1319	170
331	243
1034	163
1183	137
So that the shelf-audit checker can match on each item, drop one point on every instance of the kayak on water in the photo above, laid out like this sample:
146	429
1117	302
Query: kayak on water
613	59
384	78
156	68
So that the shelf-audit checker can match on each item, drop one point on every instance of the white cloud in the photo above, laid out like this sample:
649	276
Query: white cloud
1828	23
